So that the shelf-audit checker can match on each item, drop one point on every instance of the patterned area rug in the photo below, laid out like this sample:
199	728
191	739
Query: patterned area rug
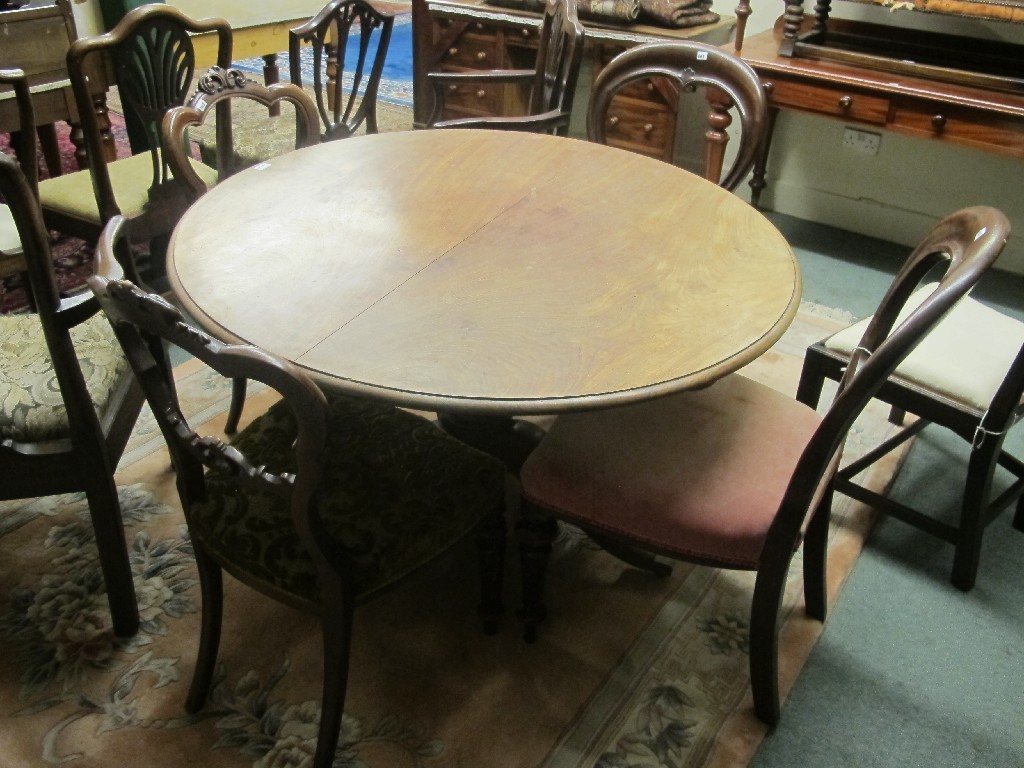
629	670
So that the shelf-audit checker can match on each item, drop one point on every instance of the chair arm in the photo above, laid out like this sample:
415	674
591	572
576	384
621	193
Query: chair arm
439	80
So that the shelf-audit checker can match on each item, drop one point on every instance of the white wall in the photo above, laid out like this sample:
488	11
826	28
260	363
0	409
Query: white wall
911	183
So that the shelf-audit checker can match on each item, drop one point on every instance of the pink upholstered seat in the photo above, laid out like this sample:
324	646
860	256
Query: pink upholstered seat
667	476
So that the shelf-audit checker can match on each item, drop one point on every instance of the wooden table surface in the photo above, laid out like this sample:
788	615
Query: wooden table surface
486	272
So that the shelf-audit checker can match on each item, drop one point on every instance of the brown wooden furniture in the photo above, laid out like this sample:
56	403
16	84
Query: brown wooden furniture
953	113
320	503
709	81
461	35
219	86
551	83
966	376
151	58
343	109
733	475
70	400
36	38
487	273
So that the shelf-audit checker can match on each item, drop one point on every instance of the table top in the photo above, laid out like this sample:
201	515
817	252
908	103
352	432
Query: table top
486	271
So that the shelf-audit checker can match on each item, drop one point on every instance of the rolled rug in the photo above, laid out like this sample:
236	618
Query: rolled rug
678	13
623	11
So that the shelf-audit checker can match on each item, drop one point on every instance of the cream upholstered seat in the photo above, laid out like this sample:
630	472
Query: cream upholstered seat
966	357
966	376
10	241
736	475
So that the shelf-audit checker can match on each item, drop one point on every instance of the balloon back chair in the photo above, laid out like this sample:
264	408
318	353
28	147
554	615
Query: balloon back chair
737	474
706	84
551	83
70	400
322	502
150	56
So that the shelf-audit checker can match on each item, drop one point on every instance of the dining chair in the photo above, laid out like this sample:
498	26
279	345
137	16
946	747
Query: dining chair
215	89
322	502
151	57
967	377
345	38
551	82
11	258
68	399
705	84
736	474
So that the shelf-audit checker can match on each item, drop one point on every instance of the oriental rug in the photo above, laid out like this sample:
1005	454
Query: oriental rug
629	670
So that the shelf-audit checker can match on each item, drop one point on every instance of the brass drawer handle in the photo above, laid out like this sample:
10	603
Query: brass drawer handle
613	120
768	87
481	93
845	102
524	32
648	127
939	123
453	51
452	88
481	56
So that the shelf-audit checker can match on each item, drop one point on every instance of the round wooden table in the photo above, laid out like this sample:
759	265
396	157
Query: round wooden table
486	272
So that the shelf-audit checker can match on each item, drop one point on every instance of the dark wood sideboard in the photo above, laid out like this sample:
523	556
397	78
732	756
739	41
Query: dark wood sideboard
460	35
947	111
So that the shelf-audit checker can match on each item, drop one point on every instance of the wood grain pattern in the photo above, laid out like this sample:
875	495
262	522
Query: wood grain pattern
488	271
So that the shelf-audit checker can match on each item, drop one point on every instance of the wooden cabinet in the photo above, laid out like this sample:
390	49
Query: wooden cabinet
457	36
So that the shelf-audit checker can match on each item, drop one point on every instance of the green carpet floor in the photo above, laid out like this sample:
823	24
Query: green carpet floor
909	671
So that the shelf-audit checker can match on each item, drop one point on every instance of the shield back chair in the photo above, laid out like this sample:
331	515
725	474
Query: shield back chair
737	474
11	259
966	377
551	83
320	503
69	398
346	37
677	70
151	58
216	89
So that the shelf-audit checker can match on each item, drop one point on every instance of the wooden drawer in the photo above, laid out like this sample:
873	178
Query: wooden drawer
472	99
937	121
473	51
640	127
862	107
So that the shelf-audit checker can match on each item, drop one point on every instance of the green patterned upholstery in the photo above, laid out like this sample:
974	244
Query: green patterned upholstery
399	491
131	177
31	406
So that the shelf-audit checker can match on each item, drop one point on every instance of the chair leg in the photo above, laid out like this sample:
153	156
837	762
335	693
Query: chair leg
1018	516
237	403
974	513
211	586
812	380
491	548
336	625
536	531
105	511
816	560
764	636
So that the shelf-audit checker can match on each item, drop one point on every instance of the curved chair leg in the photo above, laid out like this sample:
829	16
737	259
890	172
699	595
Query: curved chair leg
974	513
105	511
235	409
812	380
491	549
764	636
536	531
816	560
336	625
211	585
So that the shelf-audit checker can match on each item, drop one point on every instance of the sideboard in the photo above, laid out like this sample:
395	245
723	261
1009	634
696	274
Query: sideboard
984	118
458	35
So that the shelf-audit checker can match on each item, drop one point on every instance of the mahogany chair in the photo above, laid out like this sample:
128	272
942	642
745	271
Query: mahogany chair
677	70
552	82
152	58
69	398
11	259
346	94
321	503
216	89
968	377
735	475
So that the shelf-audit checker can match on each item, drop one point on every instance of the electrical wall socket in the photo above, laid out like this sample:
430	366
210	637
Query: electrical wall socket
864	142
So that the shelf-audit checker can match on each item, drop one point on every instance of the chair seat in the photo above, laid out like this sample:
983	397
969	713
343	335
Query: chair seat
664	472
399	491
10	241
965	358
131	177
31	406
